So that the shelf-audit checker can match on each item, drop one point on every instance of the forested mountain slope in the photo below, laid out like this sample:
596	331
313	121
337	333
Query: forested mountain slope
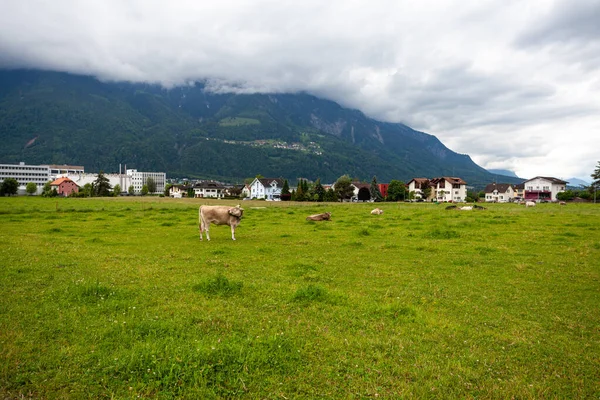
50	117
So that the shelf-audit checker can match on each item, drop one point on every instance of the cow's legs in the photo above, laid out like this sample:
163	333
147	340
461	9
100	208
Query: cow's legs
233	232
206	228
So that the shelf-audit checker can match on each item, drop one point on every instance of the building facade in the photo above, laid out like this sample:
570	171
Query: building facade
209	189
449	189
543	188
266	188
24	173
64	186
138	179
499	193
417	186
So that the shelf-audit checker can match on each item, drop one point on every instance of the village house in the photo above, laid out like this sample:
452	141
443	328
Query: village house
449	189
266	188
417	186
64	186
246	191
209	189
499	193
178	191
542	188
519	191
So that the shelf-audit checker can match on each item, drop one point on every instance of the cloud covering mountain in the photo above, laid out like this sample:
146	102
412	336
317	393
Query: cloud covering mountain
513	84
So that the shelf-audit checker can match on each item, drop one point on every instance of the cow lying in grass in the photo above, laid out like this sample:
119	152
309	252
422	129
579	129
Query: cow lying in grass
219	215
319	217
377	211
465	208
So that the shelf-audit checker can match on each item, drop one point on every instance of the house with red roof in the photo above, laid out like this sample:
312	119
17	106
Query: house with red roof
64	186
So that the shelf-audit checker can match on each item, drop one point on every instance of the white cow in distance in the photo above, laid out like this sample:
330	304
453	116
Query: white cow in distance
530	204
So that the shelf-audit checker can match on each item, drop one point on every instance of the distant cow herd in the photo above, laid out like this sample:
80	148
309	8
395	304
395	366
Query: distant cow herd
231	216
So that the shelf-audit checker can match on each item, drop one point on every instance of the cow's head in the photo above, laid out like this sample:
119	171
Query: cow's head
236	211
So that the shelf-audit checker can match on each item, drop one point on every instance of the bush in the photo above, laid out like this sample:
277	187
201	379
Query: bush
219	286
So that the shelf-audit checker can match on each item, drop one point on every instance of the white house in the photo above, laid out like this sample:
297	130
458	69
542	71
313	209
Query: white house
542	188
499	193
178	191
246	191
448	188
266	188
416	186
209	189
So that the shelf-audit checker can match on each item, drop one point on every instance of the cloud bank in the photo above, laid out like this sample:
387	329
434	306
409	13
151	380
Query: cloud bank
513	84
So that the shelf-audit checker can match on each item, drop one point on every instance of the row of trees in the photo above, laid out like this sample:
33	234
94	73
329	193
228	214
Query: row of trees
343	190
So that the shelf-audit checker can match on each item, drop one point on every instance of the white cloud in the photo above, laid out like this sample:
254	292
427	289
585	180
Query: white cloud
513	84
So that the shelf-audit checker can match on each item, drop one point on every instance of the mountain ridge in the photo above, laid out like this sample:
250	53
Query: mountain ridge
59	118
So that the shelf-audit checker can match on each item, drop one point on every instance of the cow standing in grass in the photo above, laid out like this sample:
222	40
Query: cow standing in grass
219	215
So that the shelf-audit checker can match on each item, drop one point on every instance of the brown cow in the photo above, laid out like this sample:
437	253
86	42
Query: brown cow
319	217
219	215
377	211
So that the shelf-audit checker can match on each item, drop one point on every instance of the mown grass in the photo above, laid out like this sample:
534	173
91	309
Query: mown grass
118	298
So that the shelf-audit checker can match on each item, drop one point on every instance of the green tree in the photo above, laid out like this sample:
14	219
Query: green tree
144	190
10	186
190	192
102	186
472	196
300	194
396	191
87	190
425	192
343	188
596	183
318	191
47	189
31	188
167	189
151	183
285	191
117	190
131	190
374	190
566	195
330	195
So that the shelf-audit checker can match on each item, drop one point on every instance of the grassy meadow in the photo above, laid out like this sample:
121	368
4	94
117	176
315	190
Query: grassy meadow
118	298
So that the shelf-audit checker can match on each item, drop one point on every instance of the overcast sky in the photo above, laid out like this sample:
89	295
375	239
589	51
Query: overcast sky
514	84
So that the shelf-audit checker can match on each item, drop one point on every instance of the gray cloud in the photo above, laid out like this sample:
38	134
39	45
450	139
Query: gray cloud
502	81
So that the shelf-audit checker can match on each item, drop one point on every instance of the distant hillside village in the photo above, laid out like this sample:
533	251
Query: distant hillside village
66	180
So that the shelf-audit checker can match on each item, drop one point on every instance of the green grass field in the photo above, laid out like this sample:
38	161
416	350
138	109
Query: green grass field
118	298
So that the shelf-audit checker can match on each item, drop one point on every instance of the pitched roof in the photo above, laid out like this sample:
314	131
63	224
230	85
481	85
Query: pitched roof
549	178
267	181
209	185
60	180
500	187
451	179
418	180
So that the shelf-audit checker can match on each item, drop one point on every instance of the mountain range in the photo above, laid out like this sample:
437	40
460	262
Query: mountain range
60	118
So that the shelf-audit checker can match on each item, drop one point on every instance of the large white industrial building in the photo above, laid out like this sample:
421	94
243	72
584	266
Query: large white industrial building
40	174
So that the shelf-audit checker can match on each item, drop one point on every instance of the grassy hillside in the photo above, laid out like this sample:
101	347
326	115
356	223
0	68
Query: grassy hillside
48	117
117	298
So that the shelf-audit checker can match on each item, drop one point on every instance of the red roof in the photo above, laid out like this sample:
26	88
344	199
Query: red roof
60	180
